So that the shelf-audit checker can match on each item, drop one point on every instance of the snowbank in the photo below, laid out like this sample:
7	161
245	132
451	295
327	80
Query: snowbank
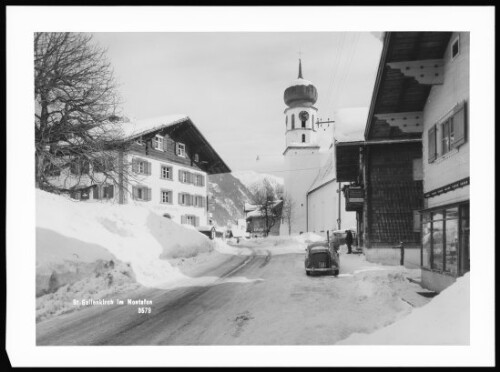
445	320
72	233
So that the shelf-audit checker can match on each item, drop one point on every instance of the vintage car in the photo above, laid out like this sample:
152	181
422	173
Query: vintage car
322	257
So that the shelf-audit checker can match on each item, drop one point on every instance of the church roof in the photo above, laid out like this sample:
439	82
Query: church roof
325	175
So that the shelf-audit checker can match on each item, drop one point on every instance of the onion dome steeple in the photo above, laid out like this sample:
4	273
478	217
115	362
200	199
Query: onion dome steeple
300	92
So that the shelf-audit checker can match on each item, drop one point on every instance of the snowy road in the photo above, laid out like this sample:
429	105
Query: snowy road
275	304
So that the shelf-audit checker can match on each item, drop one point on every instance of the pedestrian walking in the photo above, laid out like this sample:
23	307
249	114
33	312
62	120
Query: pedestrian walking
348	241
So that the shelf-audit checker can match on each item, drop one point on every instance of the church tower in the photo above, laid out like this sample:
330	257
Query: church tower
302	157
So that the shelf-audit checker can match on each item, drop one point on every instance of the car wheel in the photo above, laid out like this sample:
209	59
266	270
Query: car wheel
335	273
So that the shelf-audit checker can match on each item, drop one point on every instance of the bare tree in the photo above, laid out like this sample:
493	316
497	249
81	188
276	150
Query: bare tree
268	203
76	115
287	211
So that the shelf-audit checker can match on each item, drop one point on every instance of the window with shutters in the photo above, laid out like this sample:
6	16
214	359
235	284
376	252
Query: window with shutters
166	197
141	193
158	143
166	172
453	129
181	149
141	166
189	219
186	177
199	180
432	144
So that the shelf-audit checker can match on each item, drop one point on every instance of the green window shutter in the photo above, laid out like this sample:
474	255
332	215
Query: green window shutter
111	191
180	176
147	165
135	167
432	150
202	178
165	143
134	192
197	221
96	192
459	127
179	198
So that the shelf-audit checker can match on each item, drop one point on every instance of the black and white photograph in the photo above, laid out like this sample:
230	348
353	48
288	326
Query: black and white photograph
197	178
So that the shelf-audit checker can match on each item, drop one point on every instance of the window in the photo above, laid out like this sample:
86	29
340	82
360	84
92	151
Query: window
51	169
432	150
303	138
105	191
196	157
418	172
199	201
166	197
445	240
166	172
139	141
141	166
158	143
185	177
455	47
293	121
190	220
199	180
141	193
185	199
80	166
303	123
181	149
453	130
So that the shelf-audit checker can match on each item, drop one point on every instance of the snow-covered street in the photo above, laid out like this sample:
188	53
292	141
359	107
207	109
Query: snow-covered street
261	297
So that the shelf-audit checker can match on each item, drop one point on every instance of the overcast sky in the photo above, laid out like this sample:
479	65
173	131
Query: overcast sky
231	84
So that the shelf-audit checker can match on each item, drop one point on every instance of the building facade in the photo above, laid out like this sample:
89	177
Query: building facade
164	165
409	178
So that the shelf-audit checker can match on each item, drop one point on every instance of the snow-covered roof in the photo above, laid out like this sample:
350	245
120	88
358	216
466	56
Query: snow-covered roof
299	81
136	128
250	207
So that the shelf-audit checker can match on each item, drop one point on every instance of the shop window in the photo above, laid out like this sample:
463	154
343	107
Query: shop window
426	240
445	240
464	239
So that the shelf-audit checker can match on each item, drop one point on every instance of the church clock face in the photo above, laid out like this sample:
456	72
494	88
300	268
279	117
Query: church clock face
304	115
